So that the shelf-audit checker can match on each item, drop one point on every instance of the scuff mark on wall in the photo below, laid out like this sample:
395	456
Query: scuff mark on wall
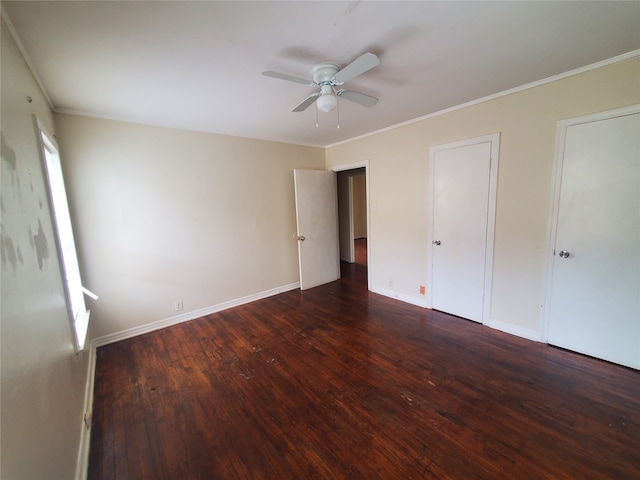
41	245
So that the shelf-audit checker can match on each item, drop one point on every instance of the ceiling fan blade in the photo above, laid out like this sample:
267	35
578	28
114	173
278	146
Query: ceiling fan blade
357	97
306	102
290	78
363	63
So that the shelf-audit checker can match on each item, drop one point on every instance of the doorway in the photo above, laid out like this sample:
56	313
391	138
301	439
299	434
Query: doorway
353	214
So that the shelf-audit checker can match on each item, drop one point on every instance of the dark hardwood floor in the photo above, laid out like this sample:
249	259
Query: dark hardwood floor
337	382
360	251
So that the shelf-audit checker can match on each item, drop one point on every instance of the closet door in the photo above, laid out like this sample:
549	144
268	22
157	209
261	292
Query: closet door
463	184
595	281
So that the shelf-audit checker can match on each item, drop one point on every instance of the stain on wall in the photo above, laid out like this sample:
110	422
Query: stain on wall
10	161
9	253
41	245
8	155
12	199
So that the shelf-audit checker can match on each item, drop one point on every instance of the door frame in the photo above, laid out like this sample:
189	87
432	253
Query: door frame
353	166
554	203
494	140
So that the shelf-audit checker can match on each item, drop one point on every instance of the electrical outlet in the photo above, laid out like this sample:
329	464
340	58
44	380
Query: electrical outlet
422	289
179	306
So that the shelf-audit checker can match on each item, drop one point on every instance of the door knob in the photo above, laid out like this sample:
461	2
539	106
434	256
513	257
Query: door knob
564	254
301	238
436	242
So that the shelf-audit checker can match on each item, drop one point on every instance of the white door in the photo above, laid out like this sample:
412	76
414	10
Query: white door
594	305
316	215
462	231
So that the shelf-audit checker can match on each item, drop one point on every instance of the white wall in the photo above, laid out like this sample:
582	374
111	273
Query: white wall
399	201
43	380
165	215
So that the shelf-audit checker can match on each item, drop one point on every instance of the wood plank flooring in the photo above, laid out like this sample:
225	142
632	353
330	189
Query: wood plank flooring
360	251
337	382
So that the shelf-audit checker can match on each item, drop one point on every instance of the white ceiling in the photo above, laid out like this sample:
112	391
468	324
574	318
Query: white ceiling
197	65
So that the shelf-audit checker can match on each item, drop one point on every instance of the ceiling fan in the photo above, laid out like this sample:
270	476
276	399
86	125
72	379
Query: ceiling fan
327	76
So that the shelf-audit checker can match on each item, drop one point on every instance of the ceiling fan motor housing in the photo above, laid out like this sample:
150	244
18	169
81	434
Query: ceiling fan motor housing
323	74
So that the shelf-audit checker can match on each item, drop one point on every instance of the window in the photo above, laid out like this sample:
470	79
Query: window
66	246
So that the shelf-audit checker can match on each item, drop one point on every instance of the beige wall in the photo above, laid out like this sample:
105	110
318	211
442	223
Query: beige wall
165	215
399	201
43	380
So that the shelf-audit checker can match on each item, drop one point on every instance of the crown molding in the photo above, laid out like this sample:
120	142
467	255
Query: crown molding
23	51
526	86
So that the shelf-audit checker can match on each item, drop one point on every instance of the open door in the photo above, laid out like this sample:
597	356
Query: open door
316	216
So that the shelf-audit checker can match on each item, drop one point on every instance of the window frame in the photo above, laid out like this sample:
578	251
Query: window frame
63	229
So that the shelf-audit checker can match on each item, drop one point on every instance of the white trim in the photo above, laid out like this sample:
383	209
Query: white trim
399	296
516	330
353	166
554	203
526	86
187	316
82	463
59	207
350	166
494	140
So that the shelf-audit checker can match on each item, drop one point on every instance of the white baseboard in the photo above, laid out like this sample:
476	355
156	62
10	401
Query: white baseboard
533	335
399	296
192	315
82	464
496	324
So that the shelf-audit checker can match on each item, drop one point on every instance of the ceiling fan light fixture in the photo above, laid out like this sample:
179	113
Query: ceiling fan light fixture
327	102
327	76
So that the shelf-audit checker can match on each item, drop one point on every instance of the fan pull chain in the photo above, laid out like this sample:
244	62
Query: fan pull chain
338	110
317	115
